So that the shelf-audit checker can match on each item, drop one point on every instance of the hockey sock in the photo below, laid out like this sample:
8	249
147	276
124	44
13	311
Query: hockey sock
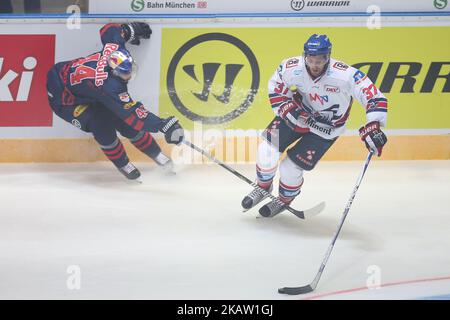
265	176
116	153
145	143
287	193
266	164
291	180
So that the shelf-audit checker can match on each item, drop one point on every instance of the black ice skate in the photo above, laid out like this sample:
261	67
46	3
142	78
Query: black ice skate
272	208
130	171
254	197
165	163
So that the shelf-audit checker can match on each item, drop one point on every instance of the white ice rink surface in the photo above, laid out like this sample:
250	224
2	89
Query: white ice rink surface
185	237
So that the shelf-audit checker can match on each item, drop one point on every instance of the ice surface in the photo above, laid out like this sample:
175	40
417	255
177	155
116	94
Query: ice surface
186	237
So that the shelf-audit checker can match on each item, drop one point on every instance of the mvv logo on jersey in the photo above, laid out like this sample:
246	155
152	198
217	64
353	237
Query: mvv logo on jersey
317	97
24	63
213	78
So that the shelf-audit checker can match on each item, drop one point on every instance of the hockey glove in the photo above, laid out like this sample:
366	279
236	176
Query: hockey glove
373	137
135	31
294	115
173	132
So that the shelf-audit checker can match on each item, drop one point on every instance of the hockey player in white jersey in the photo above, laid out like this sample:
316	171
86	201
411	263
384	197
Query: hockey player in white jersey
311	96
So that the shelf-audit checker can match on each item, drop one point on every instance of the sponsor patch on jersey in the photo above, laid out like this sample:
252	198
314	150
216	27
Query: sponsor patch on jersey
310	154
129	105
297	72
340	66
309	163
317	97
76	123
79	110
141	112
332	89
292	63
124	97
359	76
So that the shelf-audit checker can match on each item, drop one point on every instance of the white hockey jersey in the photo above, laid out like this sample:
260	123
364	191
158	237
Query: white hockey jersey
327	99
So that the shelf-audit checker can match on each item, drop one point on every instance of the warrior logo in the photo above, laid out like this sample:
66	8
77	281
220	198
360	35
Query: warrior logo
209	72
232	84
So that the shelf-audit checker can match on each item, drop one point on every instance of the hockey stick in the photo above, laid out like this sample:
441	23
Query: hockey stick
312	286
301	214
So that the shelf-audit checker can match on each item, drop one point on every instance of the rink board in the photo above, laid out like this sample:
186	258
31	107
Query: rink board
228	150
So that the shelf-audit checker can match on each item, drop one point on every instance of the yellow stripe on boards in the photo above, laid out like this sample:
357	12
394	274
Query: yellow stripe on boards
231	150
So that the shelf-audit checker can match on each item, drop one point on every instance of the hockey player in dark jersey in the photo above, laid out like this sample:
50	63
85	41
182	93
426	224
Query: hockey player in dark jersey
91	93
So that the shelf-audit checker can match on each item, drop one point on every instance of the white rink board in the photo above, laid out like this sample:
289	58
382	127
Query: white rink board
258	6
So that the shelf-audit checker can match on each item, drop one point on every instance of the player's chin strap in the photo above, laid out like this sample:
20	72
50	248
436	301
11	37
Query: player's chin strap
300	214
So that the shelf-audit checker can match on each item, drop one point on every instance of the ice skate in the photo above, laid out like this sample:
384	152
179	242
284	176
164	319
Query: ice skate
130	172
272	208
253	198
165	163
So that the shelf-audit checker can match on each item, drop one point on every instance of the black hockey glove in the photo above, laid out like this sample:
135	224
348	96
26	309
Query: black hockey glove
374	138
135	31
173	132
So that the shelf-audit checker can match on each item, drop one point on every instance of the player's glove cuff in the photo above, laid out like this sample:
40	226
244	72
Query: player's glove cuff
135	31
172	130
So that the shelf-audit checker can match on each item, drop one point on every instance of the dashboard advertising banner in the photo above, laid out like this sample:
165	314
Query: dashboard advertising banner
219	76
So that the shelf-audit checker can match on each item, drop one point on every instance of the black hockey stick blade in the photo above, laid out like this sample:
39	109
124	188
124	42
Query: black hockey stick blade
296	290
